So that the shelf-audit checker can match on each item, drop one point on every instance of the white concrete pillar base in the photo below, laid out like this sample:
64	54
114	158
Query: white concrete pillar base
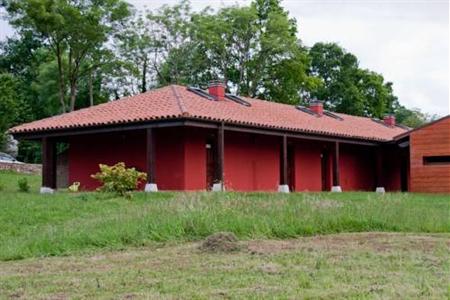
151	187
46	190
283	188
380	190
218	187
336	189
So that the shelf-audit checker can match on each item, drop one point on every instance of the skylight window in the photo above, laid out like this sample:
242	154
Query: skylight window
306	110
200	92
238	99
332	115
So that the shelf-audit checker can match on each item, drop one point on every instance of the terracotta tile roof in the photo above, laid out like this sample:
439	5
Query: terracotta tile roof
177	102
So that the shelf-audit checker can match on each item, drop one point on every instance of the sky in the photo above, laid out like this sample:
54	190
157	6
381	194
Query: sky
406	41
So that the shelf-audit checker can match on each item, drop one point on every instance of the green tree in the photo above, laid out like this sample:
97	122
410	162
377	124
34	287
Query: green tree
150	41
71	29
345	86
253	49
12	107
412	117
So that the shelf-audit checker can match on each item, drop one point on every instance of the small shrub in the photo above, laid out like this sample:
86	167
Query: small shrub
118	178
23	185
74	187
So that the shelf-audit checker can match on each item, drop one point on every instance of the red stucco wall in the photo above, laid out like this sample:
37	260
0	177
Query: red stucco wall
357	168
251	161
170	157
308	173
195	159
392	159
87	152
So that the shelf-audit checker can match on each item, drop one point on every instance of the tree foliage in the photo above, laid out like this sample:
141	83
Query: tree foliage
12	107
72	30
69	54
345	86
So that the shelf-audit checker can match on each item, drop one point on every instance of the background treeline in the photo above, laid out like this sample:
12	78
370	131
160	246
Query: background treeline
69	54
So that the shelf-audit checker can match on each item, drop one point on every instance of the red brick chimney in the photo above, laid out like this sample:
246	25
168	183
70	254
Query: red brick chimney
389	120
216	89
316	106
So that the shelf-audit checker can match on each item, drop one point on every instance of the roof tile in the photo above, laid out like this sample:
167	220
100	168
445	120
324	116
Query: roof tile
176	101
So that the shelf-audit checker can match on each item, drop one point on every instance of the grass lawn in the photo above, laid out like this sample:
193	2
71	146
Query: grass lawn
342	266
326	245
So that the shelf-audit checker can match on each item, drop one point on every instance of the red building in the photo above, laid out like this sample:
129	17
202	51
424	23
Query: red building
190	139
429	156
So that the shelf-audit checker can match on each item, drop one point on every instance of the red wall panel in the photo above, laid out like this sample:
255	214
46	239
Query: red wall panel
308	173
251	162
195	159
357	167
431	140
391	166
87	152
170	168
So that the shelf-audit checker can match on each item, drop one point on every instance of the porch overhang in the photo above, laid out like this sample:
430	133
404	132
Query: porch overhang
188	122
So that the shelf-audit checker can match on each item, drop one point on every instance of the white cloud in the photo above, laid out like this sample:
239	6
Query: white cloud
405	40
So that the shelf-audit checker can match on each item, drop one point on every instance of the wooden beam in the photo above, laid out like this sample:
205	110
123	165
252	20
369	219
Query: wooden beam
379	167
336	180
98	129
150	154
193	123
284	161
220	153
299	135
48	163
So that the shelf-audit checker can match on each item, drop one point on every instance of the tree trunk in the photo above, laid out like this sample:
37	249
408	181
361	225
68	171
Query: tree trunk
91	90
73	94
61	86
144	77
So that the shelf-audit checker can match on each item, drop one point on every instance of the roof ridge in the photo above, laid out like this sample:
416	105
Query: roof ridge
180	103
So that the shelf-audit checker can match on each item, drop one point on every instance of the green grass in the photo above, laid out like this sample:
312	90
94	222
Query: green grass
33	225
342	266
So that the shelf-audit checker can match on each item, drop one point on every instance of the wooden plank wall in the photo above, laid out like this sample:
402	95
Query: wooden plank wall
432	140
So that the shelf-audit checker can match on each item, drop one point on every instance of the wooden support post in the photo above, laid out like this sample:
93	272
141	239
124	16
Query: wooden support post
151	161
379	167
218	184
220	152
48	165
336	181
283	187
379	170
284	162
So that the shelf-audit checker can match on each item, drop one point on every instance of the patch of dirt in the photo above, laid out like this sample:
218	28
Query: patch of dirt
379	241
270	268
220	242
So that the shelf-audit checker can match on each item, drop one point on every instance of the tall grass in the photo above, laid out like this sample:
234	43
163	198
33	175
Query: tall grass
59	224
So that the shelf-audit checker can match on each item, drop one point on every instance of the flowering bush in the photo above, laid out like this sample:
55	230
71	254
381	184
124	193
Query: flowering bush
118	178
74	187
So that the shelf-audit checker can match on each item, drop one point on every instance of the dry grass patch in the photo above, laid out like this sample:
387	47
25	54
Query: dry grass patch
362	266
220	242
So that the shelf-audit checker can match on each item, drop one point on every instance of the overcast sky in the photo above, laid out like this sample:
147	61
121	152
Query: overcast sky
406	41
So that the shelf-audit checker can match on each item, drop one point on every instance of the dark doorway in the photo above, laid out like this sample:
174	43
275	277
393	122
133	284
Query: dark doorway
291	166
210	162
404	165
325	163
